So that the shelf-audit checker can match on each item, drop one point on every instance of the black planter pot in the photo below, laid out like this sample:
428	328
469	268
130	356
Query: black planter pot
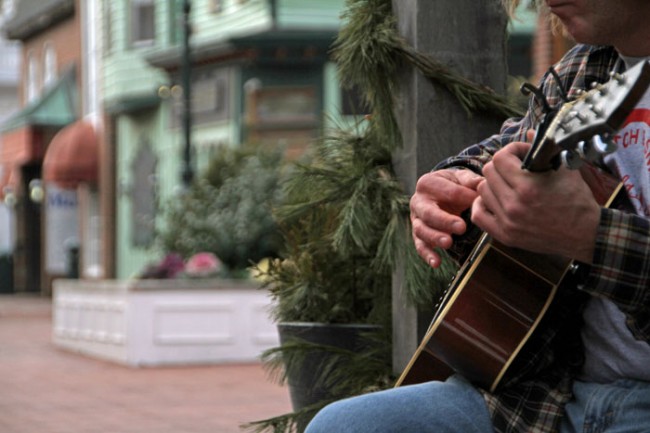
302	382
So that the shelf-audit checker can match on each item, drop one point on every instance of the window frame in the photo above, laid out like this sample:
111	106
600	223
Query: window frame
138	37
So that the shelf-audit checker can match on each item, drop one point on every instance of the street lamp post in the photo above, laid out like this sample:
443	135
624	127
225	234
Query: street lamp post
187	173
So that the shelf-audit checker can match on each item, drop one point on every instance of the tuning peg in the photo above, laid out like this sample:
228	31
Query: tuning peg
583	149
602	90
619	78
587	151
604	147
570	160
577	115
598	111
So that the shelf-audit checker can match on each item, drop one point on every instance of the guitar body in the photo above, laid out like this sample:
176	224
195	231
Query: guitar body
500	294
490	310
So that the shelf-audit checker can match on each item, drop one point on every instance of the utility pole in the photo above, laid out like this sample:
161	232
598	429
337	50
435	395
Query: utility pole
186	78
469	35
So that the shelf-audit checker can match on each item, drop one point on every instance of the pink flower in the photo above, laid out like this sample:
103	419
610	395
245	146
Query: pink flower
202	265
169	267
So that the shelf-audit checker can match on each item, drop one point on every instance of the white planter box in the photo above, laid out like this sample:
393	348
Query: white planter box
163	322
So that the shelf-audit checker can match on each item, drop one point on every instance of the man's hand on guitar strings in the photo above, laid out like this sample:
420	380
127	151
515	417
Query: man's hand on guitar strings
552	212
440	198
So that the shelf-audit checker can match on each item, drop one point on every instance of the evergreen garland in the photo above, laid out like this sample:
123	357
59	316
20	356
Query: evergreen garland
352	183
369	51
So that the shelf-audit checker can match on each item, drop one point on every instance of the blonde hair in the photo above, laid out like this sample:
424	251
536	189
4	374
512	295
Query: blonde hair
556	25
511	6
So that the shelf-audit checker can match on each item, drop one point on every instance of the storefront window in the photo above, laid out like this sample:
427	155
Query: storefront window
210	97
282	116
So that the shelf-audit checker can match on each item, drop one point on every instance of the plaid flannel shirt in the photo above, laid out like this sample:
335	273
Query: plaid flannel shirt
538	384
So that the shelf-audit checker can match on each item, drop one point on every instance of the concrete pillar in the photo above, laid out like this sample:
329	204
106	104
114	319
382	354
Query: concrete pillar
470	37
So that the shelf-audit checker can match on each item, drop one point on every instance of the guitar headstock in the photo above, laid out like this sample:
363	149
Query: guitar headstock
581	129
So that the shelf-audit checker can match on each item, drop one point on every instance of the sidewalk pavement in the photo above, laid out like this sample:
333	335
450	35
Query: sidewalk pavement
46	389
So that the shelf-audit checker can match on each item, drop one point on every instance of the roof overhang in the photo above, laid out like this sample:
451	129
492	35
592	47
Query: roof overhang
286	46
34	16
56	108
132	104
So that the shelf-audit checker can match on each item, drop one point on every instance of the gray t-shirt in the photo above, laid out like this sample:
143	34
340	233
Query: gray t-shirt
611	350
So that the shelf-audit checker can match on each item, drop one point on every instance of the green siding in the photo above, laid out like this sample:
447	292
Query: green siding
127	76
119	24
130	130
331	93
169	22
233	20
333	104
311	14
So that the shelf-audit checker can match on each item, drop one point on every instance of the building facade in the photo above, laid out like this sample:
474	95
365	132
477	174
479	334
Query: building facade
48	147
101	142
9	80
260	72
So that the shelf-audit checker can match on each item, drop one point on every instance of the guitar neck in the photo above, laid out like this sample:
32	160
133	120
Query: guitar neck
580	129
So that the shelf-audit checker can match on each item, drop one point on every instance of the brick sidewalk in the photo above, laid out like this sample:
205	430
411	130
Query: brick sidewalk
45	389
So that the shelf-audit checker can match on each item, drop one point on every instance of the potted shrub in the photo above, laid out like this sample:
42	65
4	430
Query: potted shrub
343	219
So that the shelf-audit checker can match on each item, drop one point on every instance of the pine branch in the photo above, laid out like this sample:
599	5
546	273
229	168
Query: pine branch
472	96
369	51
286	423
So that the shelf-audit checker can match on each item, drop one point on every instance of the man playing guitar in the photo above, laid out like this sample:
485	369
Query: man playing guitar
590	367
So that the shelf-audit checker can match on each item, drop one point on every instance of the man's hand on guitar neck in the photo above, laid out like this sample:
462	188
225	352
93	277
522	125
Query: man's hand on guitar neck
552	212
440	198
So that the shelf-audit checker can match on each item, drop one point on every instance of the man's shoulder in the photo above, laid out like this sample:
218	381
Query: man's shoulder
582	65
586	52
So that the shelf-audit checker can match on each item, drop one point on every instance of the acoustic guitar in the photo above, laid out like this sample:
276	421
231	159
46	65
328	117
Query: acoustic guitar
500	294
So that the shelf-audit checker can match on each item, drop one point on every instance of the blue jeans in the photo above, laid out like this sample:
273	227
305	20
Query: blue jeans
619	407
455	406
440	407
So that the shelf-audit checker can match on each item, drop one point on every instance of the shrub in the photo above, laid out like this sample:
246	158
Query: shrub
227	210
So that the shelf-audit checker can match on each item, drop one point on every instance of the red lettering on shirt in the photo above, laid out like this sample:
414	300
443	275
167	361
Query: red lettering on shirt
638	115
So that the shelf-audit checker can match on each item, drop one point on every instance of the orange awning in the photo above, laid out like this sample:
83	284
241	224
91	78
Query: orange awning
72	156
